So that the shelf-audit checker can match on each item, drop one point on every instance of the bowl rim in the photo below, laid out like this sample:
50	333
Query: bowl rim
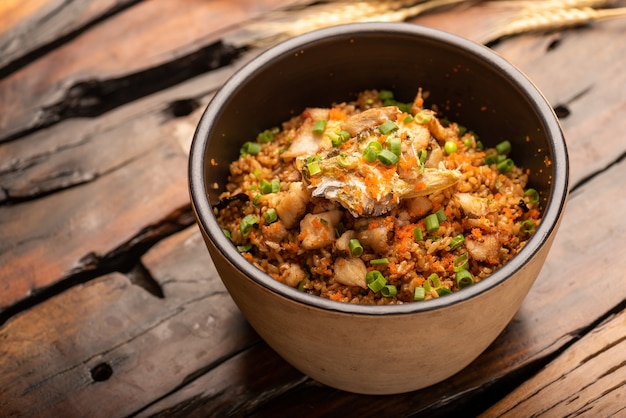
550	219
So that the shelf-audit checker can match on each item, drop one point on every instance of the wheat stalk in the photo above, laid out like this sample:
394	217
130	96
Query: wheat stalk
535	6
339	12
554	19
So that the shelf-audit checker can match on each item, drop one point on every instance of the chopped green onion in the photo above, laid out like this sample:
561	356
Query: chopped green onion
450	147
456	242
265	136
444	291
464	278
420	293
323	221
461	262
301	285
527	226
251	148
385	95
379	261
319	126
265	186
314	168
247	223
418	233
503	148
432	223
441	215
342	161
409	118
371	151
369	154
533	196
467	142
490	159
255	200
479	144
227	233
505	166
271	216
434	280
372	276
423	118
344	135
387	127
462	130
376	280
427	286
356	249
244	248
395	145
335	140
389	291
387	157
275	185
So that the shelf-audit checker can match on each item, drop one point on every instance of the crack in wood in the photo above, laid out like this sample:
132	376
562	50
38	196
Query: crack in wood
32	47
92	98
123	259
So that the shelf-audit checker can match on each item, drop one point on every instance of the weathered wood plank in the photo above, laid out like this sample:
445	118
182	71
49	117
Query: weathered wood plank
589	378
108	348
77	74
32	24
103	181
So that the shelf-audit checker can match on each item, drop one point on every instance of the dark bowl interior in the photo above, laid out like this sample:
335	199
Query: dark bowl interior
468	83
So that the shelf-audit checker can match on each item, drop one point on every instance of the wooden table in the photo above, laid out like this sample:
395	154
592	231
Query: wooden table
109	303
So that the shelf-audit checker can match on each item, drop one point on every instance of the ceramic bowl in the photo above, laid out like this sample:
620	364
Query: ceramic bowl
380	349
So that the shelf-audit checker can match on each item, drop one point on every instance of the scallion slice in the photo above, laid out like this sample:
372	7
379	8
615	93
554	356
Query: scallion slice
527	226
505	166
444	291
247	223
450	147
319	126
432	223
408	119
456	242
461	262
271	216
533	196
389	291
266	136
434	280
441	215
227	233
395	145
379	261
377	283
503	148
387	157
464	278
250	148
314	168
423	117
419	294
244	248
356	249
418	234
387	127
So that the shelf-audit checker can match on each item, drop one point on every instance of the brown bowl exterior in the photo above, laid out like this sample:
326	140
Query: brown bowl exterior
380	349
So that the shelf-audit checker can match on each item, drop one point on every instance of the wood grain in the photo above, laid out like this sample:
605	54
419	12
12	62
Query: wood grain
53	356
92	67
589	378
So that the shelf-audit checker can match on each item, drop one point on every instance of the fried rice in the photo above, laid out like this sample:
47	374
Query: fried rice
376	202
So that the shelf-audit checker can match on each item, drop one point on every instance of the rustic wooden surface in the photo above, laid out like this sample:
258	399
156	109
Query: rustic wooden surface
109	302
